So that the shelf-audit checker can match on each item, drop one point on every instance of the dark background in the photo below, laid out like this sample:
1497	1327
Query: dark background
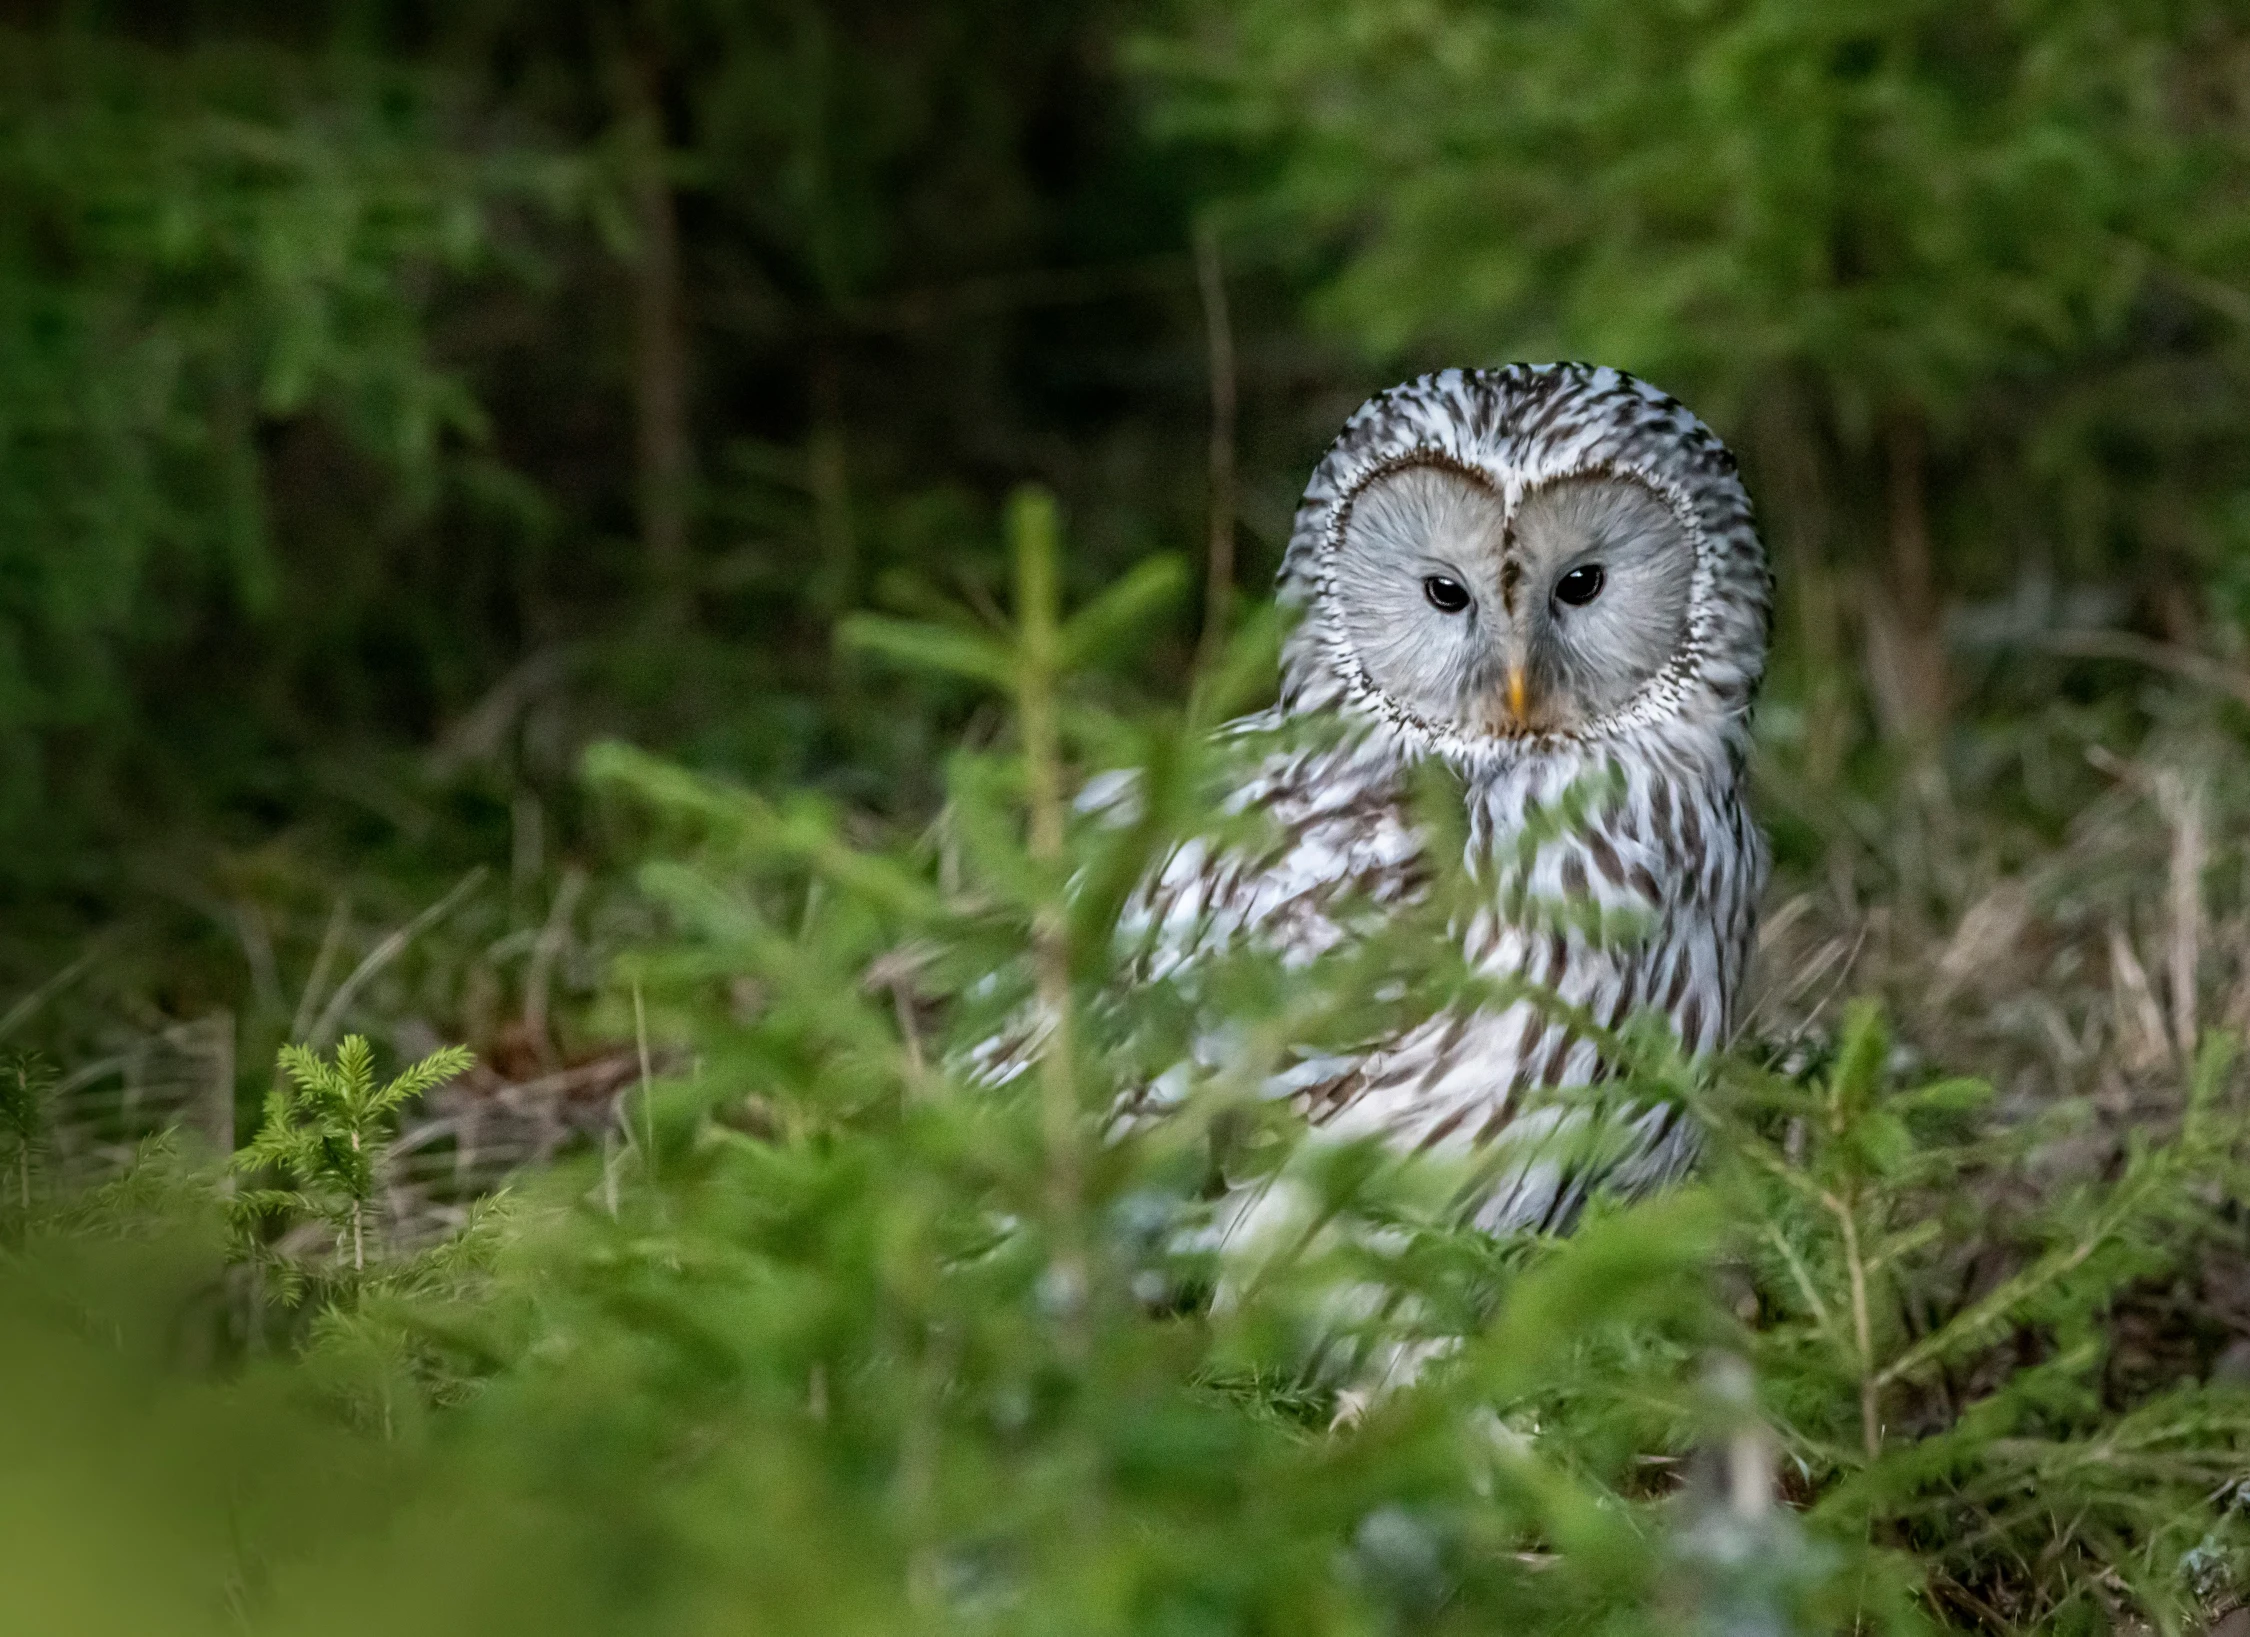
395	399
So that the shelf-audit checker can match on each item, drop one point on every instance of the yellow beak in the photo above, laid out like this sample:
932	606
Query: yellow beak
1517	697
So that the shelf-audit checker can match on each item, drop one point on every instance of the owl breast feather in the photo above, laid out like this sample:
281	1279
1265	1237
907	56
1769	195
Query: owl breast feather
1644	905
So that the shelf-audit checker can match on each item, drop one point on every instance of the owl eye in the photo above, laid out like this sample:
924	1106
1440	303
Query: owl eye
1446	596
1580	586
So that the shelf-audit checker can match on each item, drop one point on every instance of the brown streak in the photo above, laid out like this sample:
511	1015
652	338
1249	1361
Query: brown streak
1443	1129
1558	1060
1605	858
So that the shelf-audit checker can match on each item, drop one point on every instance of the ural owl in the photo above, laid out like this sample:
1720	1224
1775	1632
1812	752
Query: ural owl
1546	577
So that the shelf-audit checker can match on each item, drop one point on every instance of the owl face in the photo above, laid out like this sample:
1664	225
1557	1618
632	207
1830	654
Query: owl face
1513	566
1487	618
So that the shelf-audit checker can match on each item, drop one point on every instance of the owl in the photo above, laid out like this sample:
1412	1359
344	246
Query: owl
1547	578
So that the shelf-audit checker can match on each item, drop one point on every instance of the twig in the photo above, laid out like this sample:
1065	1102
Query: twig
382	955
2011	1293
16	1014
544	953
2214	674
479	732
1870	1384
1218	331
300	1026
257	954
648	1105
1803	1276
902	1006
2180	797
1037	597
1001	293
920	1445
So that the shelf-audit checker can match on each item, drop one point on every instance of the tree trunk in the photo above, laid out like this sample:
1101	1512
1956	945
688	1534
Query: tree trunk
660	385
1906	639
1790	454
1218	566
828	477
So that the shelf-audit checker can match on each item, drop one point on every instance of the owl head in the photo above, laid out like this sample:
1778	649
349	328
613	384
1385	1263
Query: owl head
1500	562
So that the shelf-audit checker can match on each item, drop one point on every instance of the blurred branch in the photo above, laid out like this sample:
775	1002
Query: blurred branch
1010	292
1912	673
554	935
1033	525
2181	799
22	1010
382	955
2215	294
479	733
983	296
828	480
2201	669
1218	331
659	341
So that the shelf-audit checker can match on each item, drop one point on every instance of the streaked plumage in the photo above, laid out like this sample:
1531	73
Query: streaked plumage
1437	559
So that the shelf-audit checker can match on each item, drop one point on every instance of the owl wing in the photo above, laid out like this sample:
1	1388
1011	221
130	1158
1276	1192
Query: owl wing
1338	833
1336	843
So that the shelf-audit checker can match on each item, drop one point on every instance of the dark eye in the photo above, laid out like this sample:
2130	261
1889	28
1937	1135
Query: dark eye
1580	586
1446	596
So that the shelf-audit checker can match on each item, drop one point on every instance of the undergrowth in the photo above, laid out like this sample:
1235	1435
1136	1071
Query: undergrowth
832	1333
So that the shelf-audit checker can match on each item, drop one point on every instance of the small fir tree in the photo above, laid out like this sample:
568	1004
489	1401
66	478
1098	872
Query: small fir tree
326	1129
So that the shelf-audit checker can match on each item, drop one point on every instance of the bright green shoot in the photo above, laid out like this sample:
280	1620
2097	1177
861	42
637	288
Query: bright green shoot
27	1086
327	1127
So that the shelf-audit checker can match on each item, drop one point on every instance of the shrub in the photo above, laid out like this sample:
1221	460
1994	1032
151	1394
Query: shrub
838	1334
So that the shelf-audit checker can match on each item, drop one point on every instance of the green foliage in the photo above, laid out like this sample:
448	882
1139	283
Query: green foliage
1905	200
325	363
1957	281
201	247
326	1131
1935	1320
27	1085
841	1329
323	353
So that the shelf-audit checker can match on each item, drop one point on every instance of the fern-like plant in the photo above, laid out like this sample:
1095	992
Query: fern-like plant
326	1128
27	1084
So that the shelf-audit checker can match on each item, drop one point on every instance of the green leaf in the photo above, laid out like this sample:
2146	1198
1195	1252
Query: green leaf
1150	586
1959	1095
917	646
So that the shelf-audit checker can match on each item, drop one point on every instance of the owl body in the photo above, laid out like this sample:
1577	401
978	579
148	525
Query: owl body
1441	562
